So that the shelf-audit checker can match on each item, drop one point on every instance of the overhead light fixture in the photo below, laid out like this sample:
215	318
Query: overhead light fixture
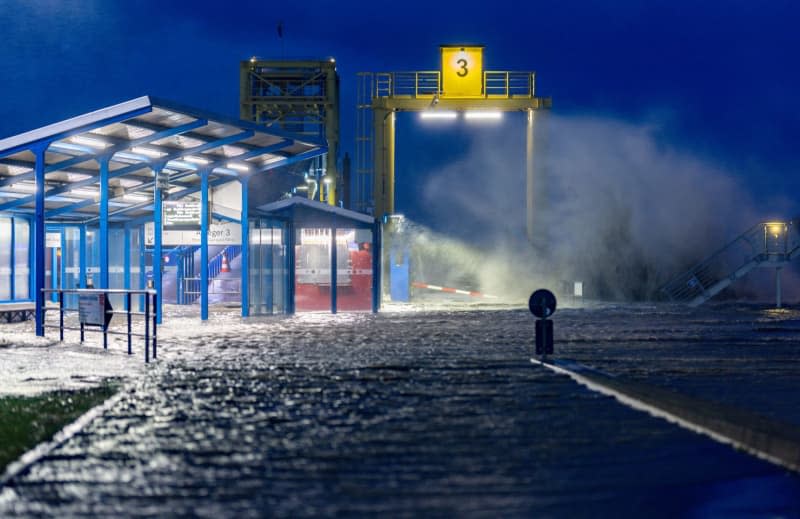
84	192
327	180
483	116
18	170
90	141
148	152
133	197
182	165
238	166
27	188
438	114
196	160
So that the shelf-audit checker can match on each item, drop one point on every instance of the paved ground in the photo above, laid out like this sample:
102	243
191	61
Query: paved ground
424	413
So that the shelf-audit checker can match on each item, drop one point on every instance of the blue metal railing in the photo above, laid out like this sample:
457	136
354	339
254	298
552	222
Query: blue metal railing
151	301
191	287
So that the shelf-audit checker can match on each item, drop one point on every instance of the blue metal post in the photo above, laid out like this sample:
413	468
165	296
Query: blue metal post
103	216
13	288
245	223
334	276
179	261
290	267
268	294
62	268
204	245
82	257
157	252
39	240
376	267
142	267
31	260
126	267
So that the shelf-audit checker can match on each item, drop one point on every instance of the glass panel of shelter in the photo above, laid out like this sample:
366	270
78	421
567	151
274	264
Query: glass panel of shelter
313	269
267	267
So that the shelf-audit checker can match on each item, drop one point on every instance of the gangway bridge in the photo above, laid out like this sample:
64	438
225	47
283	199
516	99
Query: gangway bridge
765	245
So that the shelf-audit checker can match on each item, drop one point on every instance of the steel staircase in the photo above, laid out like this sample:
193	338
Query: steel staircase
767	244
190	290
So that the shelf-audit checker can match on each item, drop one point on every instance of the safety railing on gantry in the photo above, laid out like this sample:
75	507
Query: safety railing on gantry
497	84
95	314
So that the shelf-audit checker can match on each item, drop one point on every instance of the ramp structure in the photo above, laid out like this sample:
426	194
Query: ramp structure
765	245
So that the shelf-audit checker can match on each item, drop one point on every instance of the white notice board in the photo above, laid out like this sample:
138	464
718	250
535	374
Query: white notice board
91	309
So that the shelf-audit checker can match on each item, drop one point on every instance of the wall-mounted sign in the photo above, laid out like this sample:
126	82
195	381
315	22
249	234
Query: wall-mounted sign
181	215
162	180
227	233
462	71
53	239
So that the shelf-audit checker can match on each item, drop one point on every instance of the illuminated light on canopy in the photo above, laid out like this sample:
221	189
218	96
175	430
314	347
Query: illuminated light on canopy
238	166
483	116
90	141
439	114
148	152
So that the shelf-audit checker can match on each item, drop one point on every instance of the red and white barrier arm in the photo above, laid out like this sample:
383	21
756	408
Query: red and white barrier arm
470	293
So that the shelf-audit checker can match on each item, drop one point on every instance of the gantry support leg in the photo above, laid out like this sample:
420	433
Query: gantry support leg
531	182
383	153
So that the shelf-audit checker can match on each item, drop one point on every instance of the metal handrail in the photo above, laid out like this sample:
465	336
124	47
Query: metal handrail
763	242
428	83
150	297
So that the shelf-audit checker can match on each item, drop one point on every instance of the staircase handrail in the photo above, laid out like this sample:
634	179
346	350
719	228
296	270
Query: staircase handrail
680	286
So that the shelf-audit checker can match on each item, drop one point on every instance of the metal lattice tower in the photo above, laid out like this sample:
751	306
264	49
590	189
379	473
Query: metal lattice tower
298	96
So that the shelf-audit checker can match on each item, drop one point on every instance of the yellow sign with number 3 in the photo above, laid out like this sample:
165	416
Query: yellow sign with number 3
462	71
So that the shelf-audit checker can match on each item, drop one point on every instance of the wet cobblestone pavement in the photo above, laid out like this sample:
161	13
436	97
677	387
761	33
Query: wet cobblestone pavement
423	413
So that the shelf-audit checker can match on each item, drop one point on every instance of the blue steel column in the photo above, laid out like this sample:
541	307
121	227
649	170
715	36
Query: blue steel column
142	267
13	286
376	267
245	222
62	269
39	238
31	260
268	264
204	245
103	216
127	264
290	266
334	273
82	256
157	247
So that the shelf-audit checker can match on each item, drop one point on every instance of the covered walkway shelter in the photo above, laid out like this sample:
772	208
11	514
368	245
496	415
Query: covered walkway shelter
75	196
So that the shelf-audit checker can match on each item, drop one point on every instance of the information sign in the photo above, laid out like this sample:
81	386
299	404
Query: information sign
94	309
181	215
53	240
462	71
225	233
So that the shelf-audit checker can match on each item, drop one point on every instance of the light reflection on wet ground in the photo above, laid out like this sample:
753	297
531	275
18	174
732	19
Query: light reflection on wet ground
426	413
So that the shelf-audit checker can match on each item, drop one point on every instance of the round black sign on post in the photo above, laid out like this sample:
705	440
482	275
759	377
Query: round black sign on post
542	303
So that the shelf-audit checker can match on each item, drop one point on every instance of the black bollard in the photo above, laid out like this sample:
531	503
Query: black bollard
542	304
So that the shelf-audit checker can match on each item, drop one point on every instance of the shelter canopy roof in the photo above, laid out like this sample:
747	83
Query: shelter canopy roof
129	143
305	211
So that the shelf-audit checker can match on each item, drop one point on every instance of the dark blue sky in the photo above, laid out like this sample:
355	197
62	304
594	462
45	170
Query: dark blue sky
720	78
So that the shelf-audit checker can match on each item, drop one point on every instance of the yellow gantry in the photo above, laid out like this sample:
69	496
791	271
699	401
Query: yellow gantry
460	85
